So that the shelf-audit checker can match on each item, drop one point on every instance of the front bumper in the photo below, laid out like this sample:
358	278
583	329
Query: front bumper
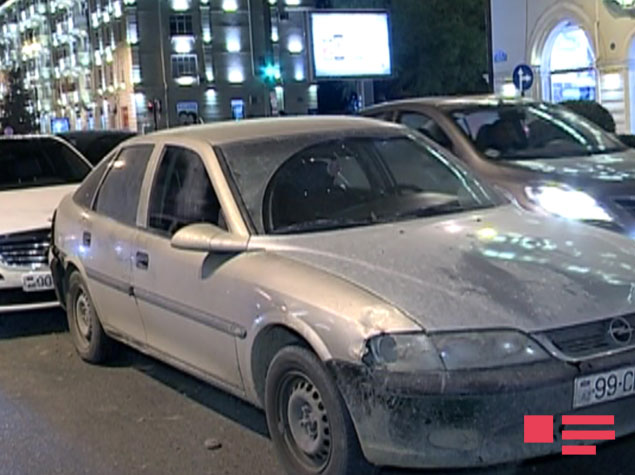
14	299
471	418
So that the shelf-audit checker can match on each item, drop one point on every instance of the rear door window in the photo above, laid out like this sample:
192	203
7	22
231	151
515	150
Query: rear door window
427	126
386	116
118	197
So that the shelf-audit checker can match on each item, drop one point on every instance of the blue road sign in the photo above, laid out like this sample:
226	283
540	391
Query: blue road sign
523	77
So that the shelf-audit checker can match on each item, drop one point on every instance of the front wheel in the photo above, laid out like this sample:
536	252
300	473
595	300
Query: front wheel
90	340
309	424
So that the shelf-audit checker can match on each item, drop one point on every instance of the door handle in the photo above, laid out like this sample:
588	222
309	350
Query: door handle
142	260
86	239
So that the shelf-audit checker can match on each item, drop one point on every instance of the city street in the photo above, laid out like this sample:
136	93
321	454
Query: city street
59	415
404	228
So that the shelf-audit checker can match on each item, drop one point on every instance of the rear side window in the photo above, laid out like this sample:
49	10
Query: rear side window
386	116
27	163
182	193
86	192
118	197
427	126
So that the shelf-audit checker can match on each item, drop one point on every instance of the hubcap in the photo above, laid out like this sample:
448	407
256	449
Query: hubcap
308	423
82	316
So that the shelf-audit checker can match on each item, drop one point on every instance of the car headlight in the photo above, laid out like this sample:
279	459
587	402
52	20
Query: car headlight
566	202
402	352
487	349
452	351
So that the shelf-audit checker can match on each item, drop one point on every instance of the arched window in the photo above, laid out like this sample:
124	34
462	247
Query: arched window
569	58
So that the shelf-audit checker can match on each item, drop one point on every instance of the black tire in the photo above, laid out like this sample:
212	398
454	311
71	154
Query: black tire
91	342
297	380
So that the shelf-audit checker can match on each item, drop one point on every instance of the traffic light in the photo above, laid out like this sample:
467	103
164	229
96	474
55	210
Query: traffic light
154	106
270	73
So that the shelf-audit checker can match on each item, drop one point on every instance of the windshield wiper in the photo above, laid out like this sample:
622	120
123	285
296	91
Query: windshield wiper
433	210
325	224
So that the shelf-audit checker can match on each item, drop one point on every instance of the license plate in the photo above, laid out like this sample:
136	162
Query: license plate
603	387
37	281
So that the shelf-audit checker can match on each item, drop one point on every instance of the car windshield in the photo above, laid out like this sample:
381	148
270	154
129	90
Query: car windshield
531	131
338	180
27	163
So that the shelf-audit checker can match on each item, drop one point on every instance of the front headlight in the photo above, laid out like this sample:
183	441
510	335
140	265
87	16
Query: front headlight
403	352
487	349
567	202
452	351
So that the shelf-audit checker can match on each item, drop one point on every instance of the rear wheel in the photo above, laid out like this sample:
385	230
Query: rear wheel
307	418
90	340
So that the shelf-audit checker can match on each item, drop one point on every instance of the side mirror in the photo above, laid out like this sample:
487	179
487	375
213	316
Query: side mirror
204	237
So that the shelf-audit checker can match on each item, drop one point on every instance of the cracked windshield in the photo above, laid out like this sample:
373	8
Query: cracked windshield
317	237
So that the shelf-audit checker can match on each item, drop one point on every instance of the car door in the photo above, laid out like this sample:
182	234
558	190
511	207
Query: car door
181	295
108	239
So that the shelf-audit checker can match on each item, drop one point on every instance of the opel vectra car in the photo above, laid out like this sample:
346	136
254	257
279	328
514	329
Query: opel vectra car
546	157
380	303
35	173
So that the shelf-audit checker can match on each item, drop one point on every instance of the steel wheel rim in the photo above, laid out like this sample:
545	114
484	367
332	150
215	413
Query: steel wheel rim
304	422
83	318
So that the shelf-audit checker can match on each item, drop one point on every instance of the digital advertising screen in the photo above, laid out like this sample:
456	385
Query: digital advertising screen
60	125
350	45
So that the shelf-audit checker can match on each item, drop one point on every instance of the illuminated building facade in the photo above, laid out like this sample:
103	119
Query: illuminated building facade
124	64
578	49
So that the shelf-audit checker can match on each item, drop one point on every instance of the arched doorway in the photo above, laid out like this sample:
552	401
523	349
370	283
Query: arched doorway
569	60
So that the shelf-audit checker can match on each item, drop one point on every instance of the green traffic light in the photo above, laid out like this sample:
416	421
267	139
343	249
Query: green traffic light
272	71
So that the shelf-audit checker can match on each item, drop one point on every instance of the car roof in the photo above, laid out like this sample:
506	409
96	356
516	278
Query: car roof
28	137
96	133
450	102
253	129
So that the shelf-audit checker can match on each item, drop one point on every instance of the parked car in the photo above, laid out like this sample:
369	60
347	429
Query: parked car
379	302
35	173
546	157
96	144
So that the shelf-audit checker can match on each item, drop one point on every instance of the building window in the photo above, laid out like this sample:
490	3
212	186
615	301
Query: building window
181	25
133	32
570	60
206	25
184	65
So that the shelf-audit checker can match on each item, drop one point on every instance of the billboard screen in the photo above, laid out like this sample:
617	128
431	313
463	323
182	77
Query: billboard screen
350	44
60	125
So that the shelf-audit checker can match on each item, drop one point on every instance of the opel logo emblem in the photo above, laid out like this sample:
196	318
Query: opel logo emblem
621	331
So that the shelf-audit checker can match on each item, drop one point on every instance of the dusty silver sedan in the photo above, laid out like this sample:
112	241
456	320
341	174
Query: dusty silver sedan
381	305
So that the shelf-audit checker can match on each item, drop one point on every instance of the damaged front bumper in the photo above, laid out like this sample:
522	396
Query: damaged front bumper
468	418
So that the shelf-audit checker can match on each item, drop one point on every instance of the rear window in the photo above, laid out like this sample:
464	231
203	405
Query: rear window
39	162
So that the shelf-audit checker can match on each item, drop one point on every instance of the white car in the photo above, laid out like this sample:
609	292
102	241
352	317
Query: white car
36	172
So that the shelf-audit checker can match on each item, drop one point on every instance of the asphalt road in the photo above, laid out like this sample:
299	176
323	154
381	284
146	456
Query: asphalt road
138	416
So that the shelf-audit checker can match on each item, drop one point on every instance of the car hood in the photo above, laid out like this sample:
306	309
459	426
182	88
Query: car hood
31	208
609	168
500	268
